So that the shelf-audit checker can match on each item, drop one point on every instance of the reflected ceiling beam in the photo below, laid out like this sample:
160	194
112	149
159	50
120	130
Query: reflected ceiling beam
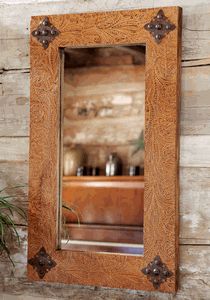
104	56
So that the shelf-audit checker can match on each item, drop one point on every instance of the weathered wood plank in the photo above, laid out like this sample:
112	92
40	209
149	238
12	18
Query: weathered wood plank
195	121
104	107
14	149
14	115
94	80
14	53
194	205
61	7
104	5
195	87
193	288
195	151
26	297
20	286
194	252
12	174
194	241
18	252
15	83
196	62
186	5
106	131
100	106
194	274
195	21
194	198
14	179
8	271
14	105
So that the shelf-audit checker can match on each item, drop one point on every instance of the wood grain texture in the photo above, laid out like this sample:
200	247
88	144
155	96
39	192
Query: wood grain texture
194	118
104	233
195	91
104	103
13	149
194	205
161	180
194	191
13	85
104	201
193	278
195	27
199	149
193	150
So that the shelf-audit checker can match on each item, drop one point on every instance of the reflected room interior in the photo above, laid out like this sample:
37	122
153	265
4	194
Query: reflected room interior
102	155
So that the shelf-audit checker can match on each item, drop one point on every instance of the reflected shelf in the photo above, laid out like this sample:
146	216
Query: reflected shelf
107	247
124	182
104	178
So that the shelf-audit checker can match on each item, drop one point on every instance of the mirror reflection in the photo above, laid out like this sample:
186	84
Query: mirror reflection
102	140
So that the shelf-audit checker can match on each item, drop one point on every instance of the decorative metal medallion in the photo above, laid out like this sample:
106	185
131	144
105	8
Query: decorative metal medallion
45	33
42	262
157	272
159	26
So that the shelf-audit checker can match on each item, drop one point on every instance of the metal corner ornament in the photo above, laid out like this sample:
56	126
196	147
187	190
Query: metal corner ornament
45	32
157	272
42	262
159	26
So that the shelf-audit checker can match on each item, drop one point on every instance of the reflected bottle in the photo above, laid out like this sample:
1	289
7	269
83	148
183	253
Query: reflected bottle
74	158
113	165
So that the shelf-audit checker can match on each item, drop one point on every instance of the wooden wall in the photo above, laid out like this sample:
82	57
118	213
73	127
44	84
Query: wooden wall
104	106
195	143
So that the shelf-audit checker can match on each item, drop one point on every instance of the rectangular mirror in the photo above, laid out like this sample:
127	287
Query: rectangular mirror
102	127
104	148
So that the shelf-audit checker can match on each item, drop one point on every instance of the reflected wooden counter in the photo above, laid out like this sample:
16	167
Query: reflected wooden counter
107	209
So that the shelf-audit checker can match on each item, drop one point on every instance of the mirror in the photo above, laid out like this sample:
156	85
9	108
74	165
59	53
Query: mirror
96	198
102	155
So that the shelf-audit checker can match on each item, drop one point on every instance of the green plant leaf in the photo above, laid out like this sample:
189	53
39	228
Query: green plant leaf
138	143
7	224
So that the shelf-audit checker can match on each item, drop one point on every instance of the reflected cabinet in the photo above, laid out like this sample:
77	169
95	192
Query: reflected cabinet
104	148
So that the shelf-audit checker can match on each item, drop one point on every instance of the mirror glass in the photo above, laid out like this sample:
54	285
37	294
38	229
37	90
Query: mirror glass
102	149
